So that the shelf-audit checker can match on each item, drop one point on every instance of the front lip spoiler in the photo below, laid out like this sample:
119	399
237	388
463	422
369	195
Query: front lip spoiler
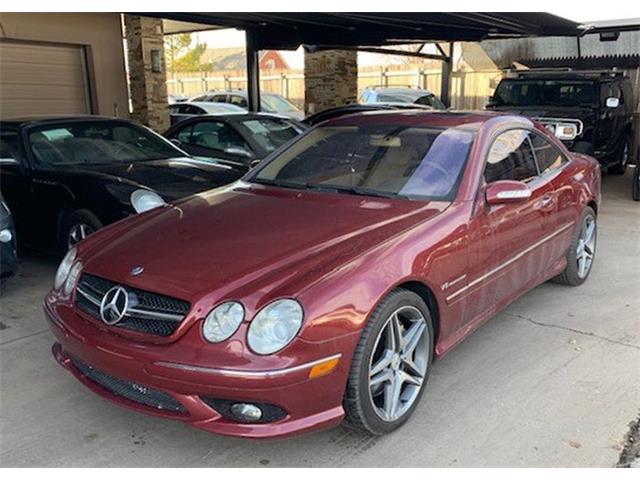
246	373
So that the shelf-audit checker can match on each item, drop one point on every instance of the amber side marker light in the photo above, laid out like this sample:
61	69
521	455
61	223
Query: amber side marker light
324	368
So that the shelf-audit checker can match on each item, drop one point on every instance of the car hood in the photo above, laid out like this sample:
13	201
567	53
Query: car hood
245	238
172	178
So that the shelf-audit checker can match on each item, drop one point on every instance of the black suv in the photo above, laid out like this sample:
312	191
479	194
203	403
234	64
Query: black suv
590	111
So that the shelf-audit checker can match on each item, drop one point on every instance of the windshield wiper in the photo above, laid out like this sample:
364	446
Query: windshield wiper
353	190
278	183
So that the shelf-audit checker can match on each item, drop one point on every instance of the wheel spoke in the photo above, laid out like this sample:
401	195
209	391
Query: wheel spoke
381	364
411	338
582	265
410	367
392	393
591	226
411	379
382	377
396	328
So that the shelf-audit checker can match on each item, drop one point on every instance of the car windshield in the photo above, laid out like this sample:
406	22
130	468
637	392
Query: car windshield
97	142
545	92
381	160
276	104
271	133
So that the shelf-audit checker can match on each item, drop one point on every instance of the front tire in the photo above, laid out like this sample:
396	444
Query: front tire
391	364
582	251
77	226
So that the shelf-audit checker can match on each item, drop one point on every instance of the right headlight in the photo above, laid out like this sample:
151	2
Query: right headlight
275	326
64	269
222	321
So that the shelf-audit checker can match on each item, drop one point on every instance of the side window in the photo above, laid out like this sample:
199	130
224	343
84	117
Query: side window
218	98
217	136
9	142
184	135
511	158
238	100
548	156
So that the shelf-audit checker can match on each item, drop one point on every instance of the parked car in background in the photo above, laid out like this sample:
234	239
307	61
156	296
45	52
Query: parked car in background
237	140
269	102
324	283
399	95
176	99
8	242
635	185
335	112
184	110
590	111
64	178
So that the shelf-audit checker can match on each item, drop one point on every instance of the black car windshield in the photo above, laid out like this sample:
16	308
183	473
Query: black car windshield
545	92
271	133
276	104
97	142
380	160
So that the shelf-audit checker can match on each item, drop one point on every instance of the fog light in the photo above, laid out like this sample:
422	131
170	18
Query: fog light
246	412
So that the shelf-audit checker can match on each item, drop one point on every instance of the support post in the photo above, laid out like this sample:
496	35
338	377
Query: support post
253	73
445	85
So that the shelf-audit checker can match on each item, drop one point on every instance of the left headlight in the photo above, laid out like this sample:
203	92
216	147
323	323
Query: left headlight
143	200
72	279
275	326
64	269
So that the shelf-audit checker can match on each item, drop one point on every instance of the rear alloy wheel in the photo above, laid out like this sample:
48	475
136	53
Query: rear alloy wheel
391	364
623	159
582	251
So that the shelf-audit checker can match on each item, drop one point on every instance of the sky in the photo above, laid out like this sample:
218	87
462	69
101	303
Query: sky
295	59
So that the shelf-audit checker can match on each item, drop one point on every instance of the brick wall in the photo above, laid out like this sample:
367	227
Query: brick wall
148	87
331	79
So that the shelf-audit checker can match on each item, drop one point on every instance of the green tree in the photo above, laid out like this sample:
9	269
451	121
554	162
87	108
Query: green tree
180	55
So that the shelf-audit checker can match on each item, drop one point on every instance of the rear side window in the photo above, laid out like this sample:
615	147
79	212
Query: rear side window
548	156
511	158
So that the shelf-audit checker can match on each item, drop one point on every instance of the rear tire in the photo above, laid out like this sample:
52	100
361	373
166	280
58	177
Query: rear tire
390	365
581	252
620	167
77	226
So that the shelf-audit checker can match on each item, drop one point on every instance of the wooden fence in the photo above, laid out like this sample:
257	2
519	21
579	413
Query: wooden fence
469	89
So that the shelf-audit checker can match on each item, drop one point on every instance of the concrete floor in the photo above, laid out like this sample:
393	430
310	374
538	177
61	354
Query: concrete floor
552	381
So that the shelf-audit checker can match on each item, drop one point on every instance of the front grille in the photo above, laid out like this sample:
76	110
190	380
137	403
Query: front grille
148	312
131	391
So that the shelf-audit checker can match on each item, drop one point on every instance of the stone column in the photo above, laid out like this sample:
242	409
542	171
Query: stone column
147	72
330	79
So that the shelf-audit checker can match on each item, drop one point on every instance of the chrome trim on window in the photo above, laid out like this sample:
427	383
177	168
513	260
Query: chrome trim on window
246	373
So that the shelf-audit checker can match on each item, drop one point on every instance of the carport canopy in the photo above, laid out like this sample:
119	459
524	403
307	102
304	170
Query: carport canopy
360	30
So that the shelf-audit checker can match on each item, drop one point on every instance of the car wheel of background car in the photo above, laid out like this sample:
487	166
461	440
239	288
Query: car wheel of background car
582	251
623	158
583	147
635	187
391	364
77	226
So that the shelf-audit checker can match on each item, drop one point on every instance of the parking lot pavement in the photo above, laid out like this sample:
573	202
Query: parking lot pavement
552	381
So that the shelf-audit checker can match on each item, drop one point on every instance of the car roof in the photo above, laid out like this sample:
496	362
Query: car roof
471	120
221	107
46	119
414	90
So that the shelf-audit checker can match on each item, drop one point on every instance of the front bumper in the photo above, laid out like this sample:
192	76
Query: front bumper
309	404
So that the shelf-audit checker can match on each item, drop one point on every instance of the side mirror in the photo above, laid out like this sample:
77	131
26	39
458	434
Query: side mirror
612	102
506	191
241	152
8	161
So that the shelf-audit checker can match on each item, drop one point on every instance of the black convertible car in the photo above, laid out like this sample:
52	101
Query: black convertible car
64	178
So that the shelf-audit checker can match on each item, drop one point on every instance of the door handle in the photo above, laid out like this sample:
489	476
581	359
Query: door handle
547	202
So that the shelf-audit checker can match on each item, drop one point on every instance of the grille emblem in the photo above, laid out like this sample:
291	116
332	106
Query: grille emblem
137	270
114	305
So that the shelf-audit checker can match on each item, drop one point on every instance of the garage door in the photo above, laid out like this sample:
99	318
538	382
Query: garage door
41	78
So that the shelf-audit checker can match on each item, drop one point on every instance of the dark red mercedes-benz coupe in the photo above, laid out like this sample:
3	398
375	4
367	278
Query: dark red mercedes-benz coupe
323	284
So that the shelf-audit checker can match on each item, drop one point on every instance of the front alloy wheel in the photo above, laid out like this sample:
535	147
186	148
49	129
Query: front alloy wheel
582	251
391	364
78	232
